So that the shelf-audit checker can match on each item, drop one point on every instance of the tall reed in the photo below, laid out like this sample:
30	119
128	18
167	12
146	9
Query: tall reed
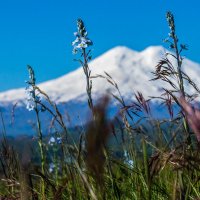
33	100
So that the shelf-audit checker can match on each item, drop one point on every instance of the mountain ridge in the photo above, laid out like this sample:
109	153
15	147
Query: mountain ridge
110	61
130	69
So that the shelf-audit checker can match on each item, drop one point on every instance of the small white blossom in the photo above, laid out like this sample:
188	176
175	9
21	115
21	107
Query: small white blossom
75	41
51	167
31	98
30	101
54	140
59	140
81	41
128	161
82	45
75	33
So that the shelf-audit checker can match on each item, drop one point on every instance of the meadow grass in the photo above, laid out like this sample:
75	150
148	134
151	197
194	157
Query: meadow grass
128	157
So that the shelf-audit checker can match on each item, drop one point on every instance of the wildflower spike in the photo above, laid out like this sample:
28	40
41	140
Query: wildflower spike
82	41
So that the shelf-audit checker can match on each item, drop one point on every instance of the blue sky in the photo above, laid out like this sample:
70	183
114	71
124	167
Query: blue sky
40	32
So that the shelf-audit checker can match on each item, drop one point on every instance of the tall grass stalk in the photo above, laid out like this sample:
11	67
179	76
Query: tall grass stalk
35	101
174	45
179	59
82	43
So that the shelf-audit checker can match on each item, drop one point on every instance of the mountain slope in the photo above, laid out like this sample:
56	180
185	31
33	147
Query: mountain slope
130	69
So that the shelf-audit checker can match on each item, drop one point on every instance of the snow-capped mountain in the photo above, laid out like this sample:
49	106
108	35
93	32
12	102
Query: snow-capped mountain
130	69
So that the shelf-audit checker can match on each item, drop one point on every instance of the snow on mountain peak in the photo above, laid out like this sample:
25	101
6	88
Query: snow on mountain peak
152	51
130	69
119	51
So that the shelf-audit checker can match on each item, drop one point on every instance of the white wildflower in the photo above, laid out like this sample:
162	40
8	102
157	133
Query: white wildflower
51	167
52	140
59	140
31	98
55	140
75	33
81	41
127	160
30	101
